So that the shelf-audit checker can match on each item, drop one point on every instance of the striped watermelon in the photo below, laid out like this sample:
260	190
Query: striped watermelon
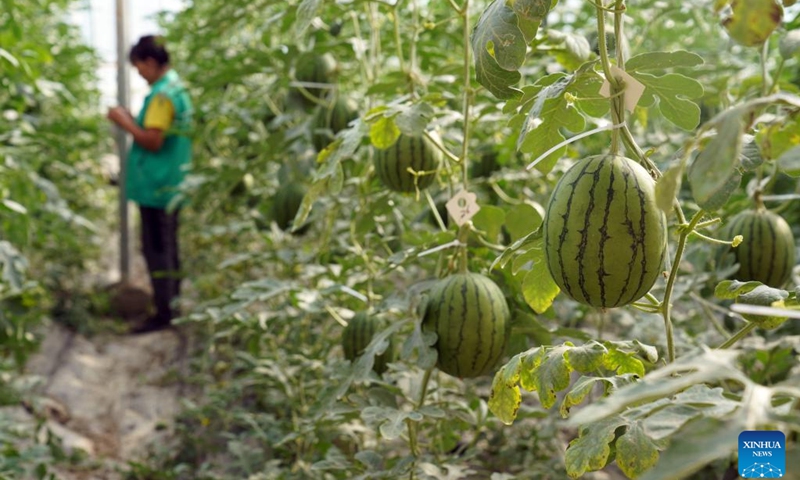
314	68
329	121
605	237
470	315
417	153
286	204
485	164
356	337
767	253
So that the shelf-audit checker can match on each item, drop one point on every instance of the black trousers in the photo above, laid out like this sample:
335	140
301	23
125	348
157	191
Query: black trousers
160	248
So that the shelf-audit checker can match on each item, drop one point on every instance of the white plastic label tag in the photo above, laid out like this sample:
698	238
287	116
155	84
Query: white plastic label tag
633	88
462	207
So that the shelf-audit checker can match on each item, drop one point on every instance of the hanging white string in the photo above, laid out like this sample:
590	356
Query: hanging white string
759	310
454	243
573	139
780	198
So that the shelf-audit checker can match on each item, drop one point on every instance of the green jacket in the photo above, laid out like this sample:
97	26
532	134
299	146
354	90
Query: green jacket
153	177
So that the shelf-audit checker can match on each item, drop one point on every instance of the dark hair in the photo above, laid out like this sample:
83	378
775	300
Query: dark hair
150	46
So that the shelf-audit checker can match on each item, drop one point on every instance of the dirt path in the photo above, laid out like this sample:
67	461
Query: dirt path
110	395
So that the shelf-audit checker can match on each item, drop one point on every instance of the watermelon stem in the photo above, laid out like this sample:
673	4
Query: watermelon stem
743	332
467	95
673	274
399	43
711	239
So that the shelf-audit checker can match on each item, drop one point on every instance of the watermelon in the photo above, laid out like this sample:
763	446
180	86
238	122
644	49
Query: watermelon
357	336
415	152
605	237
767	252
311	67
286	204
470	316
328	121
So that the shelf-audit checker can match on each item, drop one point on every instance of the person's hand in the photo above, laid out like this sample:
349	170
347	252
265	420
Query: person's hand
120	116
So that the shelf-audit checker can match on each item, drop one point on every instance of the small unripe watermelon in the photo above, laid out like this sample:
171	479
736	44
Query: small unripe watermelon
605	237
328	122
766	297
417	153
470	315
314	68
485	162
767	252
286	204
358	334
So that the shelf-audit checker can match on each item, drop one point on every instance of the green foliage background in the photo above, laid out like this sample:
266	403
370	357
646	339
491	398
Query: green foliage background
582	390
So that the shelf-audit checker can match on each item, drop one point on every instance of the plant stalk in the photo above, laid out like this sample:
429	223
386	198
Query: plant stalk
673	274
743	332
467	95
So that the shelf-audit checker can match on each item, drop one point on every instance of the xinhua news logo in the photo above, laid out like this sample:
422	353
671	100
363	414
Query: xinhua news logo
762	454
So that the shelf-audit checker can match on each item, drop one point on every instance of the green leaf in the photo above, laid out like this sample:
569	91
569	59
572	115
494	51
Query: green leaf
764	296
576	48
505	399
422	342
730	289
390	422
636	453
674	92
789	161
519	247
306	12
523	219
713	176
538	287
668	186
750	158
500	42
623	362
590	451
490	219
500	49
662	61
314	192
753	21
550	113
383	132
370	459
584	88
412	121
14	266
790	44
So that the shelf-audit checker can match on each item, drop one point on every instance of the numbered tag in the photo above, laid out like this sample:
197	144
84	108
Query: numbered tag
633	88
462	207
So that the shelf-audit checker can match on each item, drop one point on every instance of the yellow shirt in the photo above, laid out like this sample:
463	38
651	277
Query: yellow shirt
159	113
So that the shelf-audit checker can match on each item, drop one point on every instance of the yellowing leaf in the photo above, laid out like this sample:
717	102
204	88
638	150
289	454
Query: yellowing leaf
668	187
636	453
753	21
713	175
590	451
383	133
505	398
